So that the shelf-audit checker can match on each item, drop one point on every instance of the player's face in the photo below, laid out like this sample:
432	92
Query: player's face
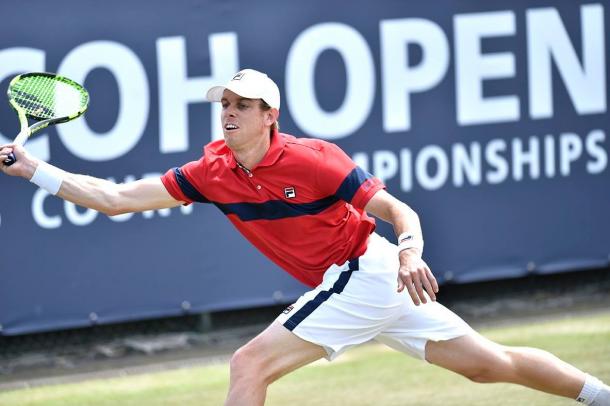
243	120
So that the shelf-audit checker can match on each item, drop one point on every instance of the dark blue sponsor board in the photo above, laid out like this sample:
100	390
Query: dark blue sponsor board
490	120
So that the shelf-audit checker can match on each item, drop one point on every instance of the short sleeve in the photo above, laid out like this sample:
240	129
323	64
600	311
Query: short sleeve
339	176
180	182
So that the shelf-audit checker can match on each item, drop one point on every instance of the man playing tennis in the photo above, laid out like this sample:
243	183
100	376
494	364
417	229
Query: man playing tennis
304	203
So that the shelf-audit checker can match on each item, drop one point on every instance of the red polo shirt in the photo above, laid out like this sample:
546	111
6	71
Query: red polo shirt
302	206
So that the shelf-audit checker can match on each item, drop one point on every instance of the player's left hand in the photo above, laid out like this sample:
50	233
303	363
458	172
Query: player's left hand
415	275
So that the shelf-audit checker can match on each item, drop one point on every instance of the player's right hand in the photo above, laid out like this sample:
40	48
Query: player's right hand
25	164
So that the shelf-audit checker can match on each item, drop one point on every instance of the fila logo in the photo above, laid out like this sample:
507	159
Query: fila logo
290	193
238	76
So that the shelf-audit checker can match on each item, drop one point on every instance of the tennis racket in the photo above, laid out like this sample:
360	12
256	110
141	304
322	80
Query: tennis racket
47	98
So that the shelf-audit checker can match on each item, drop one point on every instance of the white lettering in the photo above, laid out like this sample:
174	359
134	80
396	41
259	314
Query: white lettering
300	80
469	162
570	149
548	41
406	173
594	139
177	91
496	161
549	156
436	155
38	213
134	101
77	218
399	78
385	165
472	67
465	164
522	158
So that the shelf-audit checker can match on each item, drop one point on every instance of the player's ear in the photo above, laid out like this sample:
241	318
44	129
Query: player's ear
271	116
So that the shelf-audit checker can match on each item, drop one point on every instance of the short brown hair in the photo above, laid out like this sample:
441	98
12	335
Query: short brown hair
264	106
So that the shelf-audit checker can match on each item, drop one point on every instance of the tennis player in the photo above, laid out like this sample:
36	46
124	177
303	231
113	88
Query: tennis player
305	205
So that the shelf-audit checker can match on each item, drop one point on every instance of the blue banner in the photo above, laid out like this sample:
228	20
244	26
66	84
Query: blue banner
490	120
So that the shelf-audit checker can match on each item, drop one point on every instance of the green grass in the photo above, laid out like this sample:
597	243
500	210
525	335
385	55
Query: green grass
369	375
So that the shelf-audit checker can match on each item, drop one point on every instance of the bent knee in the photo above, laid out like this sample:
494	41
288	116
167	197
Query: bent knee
244	362
248	364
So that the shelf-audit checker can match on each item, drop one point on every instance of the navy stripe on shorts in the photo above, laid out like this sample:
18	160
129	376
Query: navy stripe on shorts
322	297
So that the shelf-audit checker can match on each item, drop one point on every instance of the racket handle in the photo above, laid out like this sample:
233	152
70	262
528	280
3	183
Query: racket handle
10	160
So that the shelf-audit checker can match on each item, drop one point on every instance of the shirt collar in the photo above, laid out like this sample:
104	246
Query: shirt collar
275	150
273	153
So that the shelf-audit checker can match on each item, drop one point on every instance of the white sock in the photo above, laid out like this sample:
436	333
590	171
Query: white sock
594	392
603	397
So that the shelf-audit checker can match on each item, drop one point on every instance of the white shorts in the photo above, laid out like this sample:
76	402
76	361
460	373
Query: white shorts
357	302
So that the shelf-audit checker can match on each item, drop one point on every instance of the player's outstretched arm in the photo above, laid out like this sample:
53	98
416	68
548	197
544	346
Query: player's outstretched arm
414	274
87	191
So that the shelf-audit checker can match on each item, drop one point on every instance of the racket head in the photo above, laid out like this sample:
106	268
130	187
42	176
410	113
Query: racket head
47	96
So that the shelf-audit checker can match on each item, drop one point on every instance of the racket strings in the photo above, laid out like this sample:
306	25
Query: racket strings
37	96
33	105
45	97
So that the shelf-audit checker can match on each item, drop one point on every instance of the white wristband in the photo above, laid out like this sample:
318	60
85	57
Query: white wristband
47	177
407	240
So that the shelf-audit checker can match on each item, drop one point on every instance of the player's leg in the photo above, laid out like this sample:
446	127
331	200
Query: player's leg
270	355
356	294
482	360
435	333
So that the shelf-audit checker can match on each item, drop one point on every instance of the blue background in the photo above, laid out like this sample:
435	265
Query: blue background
142	268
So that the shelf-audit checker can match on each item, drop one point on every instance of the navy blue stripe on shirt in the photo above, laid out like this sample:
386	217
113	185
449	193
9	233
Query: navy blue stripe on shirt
322	297
275	209
187	188
351	184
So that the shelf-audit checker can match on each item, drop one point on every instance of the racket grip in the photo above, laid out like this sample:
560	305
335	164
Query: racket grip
10	160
